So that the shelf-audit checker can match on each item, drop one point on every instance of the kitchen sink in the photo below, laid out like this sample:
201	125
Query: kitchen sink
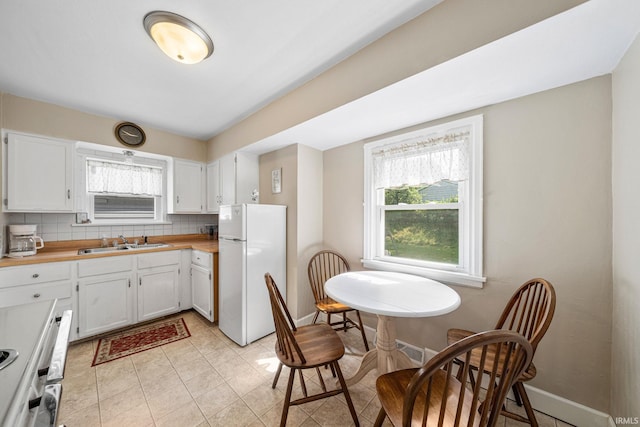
127	247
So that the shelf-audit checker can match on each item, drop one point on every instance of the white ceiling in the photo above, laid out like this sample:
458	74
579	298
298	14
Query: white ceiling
95	56
581	43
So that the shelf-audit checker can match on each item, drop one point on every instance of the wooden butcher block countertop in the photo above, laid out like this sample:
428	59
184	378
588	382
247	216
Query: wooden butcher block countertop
68	250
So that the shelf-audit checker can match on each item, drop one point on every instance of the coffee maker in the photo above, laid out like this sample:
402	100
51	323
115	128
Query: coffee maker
23	240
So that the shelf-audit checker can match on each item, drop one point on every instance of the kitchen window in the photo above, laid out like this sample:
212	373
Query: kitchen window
123	192
423	202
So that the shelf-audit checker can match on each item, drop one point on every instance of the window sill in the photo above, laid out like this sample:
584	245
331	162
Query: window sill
449	277
121	223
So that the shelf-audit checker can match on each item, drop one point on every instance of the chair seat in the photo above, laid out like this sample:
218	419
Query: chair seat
319	343
455	335
327	305
393	386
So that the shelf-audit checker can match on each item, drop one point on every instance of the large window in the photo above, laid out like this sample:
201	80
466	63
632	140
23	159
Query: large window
423	202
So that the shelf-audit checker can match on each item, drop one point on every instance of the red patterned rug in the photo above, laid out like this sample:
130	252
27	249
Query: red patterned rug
139	339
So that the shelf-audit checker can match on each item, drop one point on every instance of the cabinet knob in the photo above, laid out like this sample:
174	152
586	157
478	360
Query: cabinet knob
36	295
68	194
177	199
35	275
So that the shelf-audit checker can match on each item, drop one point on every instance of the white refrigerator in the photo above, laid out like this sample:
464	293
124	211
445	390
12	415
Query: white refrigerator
252	242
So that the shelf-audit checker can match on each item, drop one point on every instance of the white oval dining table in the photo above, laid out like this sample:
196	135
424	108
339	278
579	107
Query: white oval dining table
390	295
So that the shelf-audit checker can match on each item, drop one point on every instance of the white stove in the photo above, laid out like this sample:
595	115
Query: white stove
33	347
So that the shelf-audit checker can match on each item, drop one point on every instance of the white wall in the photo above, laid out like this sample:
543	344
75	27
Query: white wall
625	366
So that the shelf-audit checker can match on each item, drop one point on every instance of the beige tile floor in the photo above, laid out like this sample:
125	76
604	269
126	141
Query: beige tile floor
208	380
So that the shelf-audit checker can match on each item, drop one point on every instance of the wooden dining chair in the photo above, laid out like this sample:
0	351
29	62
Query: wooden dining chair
439	394
529	312
305	347
323	266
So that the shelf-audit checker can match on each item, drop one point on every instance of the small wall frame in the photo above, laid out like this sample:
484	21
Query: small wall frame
276	181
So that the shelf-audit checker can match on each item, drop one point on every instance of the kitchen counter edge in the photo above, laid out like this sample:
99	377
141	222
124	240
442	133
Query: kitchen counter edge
69	252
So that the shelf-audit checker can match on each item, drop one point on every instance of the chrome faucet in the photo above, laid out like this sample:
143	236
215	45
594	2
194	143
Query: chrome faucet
124	240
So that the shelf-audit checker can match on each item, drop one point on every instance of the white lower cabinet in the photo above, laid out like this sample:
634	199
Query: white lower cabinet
158	284
201	291
119	291
157	292
38	282
110	292
204	284
105	302
106	294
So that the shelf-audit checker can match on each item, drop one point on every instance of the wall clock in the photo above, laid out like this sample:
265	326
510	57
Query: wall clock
130	134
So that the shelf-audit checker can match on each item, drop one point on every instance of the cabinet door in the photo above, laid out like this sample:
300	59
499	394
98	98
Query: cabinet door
105	303
247	176
187	185
228	179
213	187
158	292
202	291
31	158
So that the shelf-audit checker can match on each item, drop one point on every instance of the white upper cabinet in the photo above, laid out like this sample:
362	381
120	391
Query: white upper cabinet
231	180
247	179
214	193
228	179
39	174
186	187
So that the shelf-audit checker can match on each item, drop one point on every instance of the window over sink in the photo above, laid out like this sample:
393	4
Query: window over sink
423	202
120	190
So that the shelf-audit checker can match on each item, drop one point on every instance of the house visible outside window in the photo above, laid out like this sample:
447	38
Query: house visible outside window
123	192
423	202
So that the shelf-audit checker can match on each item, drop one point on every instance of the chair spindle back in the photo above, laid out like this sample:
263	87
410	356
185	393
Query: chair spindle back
461	398
287	344
323	266
530	310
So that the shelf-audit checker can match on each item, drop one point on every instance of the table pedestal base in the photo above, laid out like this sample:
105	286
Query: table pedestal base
385	357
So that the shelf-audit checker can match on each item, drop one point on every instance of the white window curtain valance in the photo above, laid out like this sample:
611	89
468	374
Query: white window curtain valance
120	178
423	160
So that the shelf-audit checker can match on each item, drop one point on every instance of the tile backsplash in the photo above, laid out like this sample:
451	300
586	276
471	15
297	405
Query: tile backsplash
58	227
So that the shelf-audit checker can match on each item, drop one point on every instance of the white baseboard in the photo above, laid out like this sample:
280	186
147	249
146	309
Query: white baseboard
306	320
567	410
558	407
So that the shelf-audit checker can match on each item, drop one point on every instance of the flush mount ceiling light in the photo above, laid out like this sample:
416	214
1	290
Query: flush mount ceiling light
179	38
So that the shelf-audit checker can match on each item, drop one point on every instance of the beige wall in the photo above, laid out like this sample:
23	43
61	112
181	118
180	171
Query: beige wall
310	194
444	32
302	194
547	213
625	367
287	160
29	116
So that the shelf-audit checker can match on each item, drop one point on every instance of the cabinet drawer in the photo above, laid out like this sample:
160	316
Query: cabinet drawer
158	259
203	259
36	273
114	264
30	293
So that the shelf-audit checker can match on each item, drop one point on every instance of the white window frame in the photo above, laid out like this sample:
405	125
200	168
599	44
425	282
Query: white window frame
469	271
86	202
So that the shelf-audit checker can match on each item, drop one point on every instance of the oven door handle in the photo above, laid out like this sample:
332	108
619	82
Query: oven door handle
48	406
59	356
